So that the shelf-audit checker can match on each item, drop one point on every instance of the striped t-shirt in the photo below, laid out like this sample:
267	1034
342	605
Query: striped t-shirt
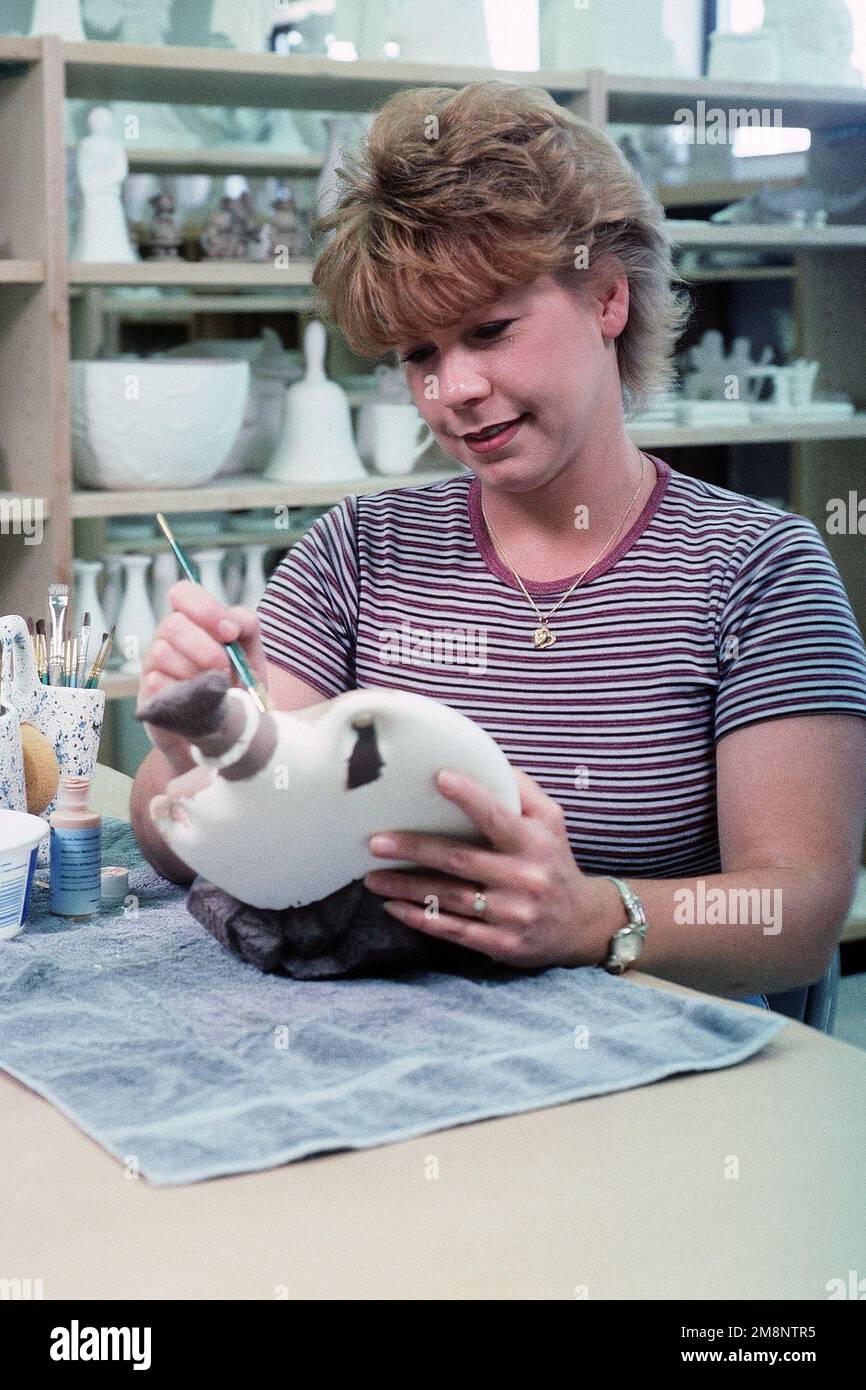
711	612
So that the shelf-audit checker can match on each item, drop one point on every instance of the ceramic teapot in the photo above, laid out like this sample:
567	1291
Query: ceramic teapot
280	806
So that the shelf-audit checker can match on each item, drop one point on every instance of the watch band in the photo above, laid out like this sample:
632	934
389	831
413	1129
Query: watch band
627	943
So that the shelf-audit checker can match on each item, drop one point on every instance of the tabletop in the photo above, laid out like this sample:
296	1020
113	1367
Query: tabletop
744	1182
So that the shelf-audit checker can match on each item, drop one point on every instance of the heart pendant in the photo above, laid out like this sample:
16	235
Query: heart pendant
543	637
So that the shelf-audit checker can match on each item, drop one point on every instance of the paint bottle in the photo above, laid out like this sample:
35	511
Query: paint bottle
75	850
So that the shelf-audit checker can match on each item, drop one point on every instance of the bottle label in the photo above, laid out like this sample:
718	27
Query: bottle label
76	870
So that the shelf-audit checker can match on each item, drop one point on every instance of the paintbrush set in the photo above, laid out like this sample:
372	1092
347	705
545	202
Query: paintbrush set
59	651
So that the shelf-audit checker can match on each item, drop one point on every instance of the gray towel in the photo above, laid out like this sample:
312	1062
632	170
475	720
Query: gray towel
190	1064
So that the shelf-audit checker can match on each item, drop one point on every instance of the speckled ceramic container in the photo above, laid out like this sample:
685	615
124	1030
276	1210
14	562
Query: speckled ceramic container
70	719
12	792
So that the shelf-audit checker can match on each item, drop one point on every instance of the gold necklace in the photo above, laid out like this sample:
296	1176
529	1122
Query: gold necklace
543	637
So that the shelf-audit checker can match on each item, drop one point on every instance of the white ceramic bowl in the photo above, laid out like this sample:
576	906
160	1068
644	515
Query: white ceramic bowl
154	423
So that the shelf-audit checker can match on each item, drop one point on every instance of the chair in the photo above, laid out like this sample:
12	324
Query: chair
812	1004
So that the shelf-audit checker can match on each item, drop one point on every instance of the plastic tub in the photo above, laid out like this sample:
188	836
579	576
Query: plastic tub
20	836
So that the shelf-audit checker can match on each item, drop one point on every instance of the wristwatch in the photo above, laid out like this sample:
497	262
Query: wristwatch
627	943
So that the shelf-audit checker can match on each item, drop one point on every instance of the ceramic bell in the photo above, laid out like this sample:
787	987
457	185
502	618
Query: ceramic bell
316	443
309	787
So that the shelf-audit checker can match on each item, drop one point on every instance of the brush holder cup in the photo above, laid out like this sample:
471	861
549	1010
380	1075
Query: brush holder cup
71	719
13	795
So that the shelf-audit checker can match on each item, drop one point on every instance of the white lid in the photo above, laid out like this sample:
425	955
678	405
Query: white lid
19	830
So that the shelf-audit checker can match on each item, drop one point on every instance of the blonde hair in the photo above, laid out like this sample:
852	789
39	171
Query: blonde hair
458	196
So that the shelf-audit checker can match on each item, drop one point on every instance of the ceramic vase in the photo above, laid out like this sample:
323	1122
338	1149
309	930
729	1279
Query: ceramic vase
86	600
233	582
255	582
135	621
210	563
112	593
344	134
164	574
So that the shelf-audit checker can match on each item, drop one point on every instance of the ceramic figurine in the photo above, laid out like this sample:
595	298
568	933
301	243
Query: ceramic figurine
329	775
102	166
227	233
210	564
316	443
287	228
165	239
219	238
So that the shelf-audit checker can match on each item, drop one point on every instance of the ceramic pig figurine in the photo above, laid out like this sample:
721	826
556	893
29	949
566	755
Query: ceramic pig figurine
280	807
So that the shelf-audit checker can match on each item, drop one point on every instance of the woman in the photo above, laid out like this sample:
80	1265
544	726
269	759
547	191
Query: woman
674	669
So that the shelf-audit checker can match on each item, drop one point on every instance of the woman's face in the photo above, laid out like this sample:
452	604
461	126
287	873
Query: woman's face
539	361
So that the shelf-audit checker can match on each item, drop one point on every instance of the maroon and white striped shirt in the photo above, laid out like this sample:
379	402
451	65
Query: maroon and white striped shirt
712	611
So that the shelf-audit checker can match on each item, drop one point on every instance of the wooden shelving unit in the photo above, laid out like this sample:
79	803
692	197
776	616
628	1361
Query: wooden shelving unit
38	283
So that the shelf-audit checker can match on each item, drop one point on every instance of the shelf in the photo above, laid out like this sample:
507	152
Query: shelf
682	195
225	77
178	307
740	272
255	160
156	544
235	494
17	53
783	432
655	100
207	274
240	493
13	272
686	232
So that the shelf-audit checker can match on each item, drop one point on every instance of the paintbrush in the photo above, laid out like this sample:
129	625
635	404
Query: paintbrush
101	657
41	651
58	603
234	650
83	644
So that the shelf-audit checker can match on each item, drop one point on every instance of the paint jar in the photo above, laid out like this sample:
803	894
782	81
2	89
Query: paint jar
20	835
75	851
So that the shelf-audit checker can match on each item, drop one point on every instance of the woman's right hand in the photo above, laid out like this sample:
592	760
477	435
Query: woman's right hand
191	639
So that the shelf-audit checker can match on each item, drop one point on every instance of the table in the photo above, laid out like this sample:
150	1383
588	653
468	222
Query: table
628	1196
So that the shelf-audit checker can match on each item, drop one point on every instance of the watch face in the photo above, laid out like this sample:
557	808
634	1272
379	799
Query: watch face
628	948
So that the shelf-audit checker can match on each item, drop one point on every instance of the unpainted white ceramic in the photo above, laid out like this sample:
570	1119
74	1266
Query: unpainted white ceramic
294	832
154	424
316	442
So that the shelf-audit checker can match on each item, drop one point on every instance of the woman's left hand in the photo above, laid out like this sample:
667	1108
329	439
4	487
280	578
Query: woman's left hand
541	909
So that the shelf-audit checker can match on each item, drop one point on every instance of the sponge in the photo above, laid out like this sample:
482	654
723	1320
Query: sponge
41	769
